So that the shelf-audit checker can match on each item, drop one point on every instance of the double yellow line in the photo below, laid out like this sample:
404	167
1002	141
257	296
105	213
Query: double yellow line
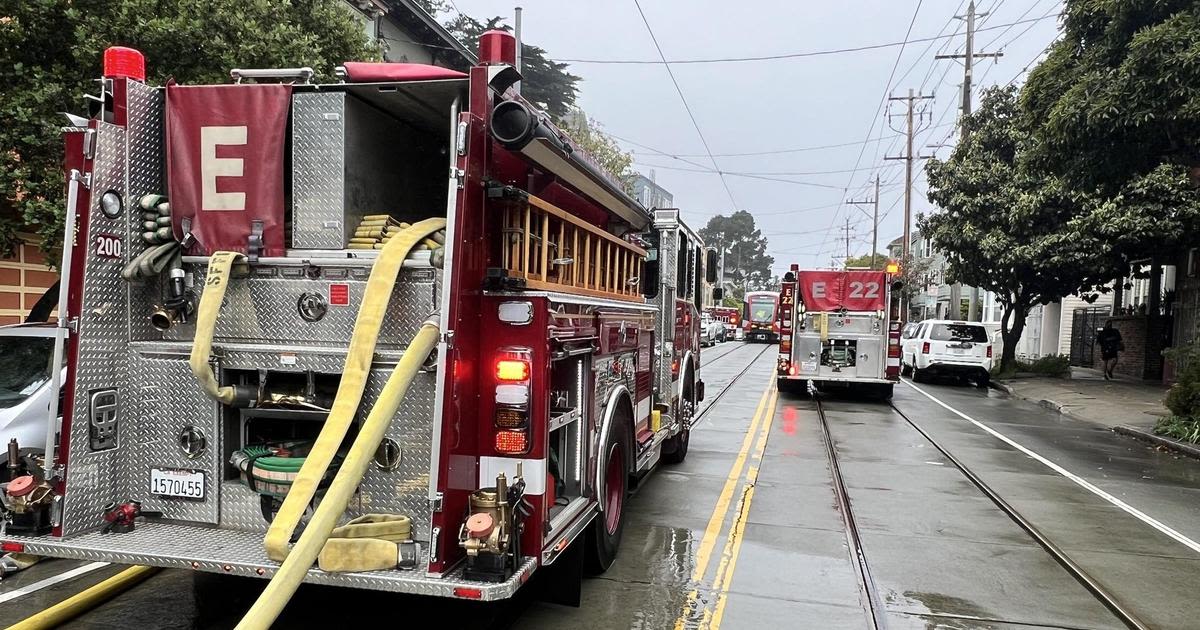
760	425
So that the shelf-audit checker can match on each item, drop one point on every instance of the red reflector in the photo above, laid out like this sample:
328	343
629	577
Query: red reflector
512	370
989	352
13	547
925	348
468	593
511	442
122	62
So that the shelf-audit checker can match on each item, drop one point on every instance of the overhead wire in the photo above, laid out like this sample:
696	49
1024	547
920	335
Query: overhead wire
686	106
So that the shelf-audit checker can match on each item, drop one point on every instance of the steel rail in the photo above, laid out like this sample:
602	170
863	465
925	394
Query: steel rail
719	356
728	386
1097	589
866	582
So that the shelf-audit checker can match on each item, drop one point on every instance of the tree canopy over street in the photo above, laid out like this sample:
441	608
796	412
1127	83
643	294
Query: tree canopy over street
744	247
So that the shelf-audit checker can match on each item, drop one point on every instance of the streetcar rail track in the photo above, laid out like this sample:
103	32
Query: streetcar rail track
728	386
1081	575
873	603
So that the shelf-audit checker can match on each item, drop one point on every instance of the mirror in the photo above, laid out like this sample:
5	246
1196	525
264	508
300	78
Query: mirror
718	294
897	285
649	280
710	265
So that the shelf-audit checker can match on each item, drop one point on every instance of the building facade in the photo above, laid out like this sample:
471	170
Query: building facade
650	194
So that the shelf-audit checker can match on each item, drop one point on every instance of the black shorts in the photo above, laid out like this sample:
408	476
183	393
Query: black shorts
1108	354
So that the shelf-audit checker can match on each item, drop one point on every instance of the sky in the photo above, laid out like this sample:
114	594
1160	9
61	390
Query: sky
818	122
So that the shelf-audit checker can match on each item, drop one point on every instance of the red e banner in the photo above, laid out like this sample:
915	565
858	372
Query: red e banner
851	290
225	163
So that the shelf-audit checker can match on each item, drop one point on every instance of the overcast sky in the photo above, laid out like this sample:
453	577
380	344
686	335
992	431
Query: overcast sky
779	105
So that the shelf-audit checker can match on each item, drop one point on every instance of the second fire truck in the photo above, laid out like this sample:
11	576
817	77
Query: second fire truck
839	329
257	274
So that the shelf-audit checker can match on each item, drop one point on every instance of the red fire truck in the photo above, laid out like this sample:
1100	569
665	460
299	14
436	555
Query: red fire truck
258	273
729	316
840	329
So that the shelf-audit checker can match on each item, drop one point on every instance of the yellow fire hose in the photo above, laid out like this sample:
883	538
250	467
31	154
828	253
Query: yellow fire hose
291	573
83	601
347	552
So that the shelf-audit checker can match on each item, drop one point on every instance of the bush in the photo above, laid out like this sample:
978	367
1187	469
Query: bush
1180	428
1056	365
1183	399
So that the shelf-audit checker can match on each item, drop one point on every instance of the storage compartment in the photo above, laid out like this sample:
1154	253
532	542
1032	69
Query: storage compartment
360	150
567	437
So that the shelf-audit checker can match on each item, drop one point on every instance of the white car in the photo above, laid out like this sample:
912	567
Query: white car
939	347
712	331
25	392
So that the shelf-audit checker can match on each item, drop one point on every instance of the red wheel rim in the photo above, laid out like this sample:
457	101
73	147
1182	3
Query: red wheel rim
614	489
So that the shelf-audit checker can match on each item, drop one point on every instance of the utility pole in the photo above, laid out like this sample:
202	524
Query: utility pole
847	258
908	157
968	57
874	219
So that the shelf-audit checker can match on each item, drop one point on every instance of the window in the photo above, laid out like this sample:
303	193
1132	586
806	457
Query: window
958	332
26	367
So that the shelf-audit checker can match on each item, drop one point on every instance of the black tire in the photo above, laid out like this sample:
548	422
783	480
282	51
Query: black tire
675	448
905	370
982	380
604	535
918	375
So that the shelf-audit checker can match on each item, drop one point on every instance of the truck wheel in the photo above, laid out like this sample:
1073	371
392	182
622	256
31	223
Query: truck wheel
918	375
675	448
604	536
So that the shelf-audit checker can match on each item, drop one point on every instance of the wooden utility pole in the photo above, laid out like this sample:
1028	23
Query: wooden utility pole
874	219
908	157
968	57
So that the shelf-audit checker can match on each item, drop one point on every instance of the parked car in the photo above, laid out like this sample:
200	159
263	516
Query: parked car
25	388
946	348
712	331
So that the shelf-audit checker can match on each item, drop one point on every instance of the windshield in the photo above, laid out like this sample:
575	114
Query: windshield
762	310
958	332
25	368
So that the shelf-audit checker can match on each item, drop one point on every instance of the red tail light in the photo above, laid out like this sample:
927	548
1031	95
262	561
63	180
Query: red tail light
925	348
989	354
511	442
893	350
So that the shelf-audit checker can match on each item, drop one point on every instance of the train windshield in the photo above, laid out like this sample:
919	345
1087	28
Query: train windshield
762	310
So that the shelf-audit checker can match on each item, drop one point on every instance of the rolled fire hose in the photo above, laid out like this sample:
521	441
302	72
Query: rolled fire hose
316	534
215	284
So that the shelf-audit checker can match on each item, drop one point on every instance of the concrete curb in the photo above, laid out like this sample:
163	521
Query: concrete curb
1182	448
1052	405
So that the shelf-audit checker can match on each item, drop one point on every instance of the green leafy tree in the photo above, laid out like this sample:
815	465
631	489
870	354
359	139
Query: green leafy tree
745	249
545	82
1006	227
865	261
1116	109
601	147
50	51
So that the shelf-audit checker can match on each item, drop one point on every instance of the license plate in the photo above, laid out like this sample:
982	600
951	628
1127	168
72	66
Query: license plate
188	484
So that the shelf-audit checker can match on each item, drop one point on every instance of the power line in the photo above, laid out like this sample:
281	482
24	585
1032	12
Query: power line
687	107
794	55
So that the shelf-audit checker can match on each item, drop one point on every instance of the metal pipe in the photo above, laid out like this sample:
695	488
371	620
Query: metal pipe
517	35
63	328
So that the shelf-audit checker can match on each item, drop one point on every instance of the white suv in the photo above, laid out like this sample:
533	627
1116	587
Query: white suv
943	347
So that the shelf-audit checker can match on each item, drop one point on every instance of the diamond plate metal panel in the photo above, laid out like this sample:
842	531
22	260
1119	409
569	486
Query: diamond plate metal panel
264	309
241	553
667	254
94	478
318	172
147	161
164	398
241	508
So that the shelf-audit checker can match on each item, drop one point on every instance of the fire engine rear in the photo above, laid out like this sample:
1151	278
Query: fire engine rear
840	329
397	332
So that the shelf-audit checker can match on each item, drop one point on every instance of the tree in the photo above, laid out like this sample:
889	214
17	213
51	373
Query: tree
50	51
544	82
744	248
1115	106
601	147
865	261
914	274
1005	225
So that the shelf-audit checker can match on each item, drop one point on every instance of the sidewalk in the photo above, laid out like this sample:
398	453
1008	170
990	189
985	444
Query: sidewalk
1087	396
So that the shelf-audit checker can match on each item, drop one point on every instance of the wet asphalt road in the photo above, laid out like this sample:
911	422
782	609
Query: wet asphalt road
746	533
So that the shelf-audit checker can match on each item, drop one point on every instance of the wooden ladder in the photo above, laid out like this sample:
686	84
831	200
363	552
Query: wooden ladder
552	250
